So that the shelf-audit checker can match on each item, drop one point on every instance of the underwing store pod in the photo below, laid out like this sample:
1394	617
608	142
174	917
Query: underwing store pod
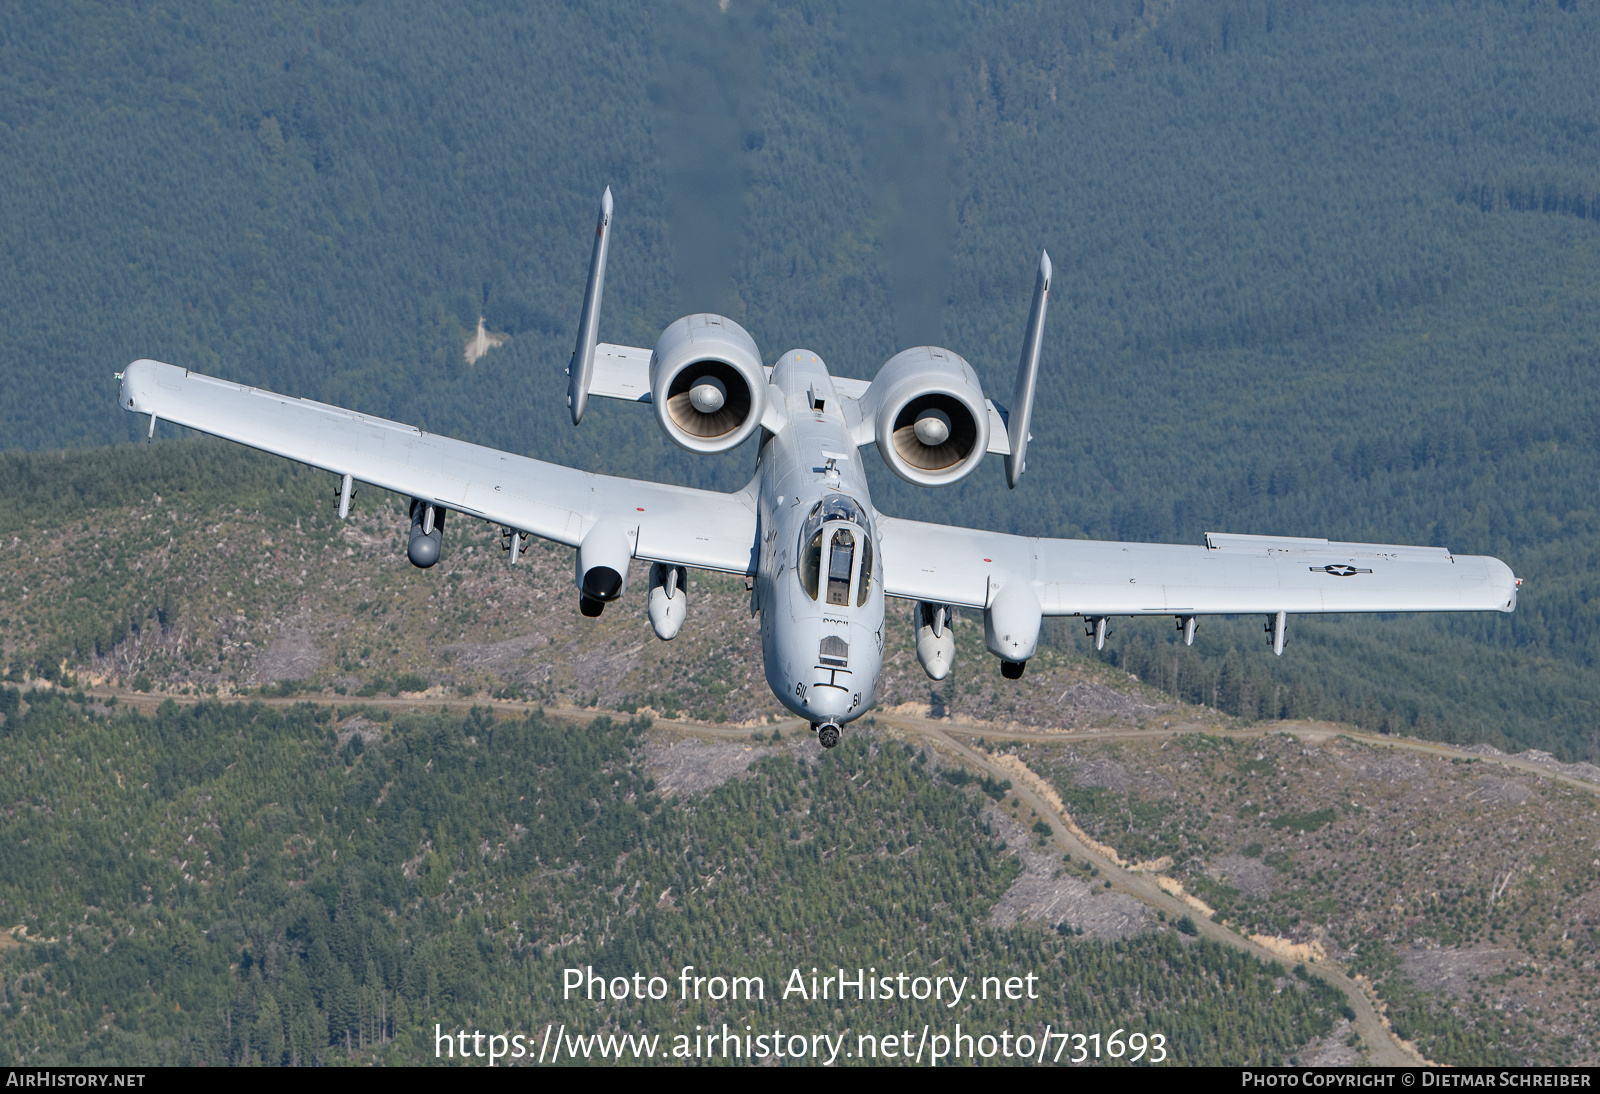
1186	624
669	600
346	491
1276	625
936	643
514	542
1098	629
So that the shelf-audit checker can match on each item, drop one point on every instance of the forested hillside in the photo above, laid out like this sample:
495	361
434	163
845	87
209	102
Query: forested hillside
1321	269
230	884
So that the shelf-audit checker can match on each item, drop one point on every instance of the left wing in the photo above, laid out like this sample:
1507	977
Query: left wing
1231	575
672	524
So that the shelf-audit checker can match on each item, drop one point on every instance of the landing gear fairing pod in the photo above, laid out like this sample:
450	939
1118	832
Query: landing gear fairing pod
820	560
602	566
668	603
425	541
1011	626
936	642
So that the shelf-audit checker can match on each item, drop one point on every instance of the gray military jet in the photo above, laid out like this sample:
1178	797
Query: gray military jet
820	560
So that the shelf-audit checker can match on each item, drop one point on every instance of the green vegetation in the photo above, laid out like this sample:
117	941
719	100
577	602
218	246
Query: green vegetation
1303	822
229	883
1215	893
995	788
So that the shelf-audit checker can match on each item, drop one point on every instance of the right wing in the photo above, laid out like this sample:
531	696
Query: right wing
1231	575
672	524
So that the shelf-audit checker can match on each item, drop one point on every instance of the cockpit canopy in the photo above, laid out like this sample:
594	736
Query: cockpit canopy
829	521
834	507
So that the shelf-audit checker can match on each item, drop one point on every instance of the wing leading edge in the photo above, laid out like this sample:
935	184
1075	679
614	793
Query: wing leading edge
663	523
1232	575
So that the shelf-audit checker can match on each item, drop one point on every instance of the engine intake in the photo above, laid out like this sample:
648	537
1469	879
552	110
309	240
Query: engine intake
930	420
707	383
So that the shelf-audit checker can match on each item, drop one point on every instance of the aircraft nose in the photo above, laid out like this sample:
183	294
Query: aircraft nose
824	701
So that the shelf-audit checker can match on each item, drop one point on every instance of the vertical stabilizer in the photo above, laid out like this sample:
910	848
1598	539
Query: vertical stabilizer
581	370
1027	376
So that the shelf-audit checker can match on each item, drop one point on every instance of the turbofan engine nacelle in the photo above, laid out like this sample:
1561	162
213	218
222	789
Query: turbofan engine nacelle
602	566
707	383
936	643
425	541
929	416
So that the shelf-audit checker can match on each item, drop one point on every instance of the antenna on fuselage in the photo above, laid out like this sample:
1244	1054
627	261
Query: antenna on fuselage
580	371
1021	413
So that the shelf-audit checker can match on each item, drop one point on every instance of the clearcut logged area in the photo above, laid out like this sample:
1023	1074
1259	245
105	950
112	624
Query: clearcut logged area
1466	891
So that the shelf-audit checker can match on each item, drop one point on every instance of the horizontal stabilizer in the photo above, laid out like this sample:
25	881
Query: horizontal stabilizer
621	372
849	388
999	438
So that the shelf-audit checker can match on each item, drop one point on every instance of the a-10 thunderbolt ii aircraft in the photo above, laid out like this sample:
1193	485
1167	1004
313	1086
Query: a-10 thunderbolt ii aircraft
820	561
